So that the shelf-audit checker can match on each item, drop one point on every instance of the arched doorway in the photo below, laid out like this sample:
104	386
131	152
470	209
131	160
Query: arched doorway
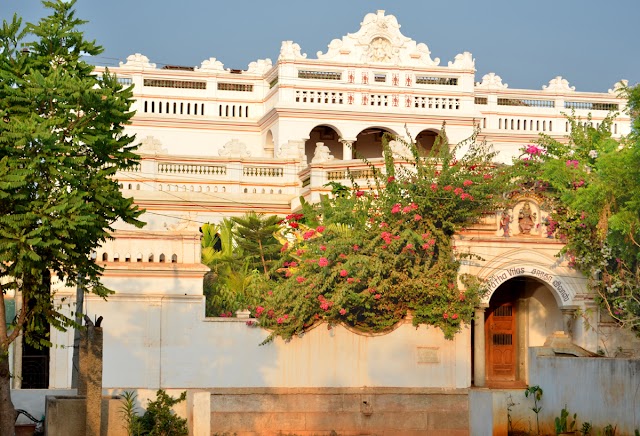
522	313
369	143
269	147
426	140
327	135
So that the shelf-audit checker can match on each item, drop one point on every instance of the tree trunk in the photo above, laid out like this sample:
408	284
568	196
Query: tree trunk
7	410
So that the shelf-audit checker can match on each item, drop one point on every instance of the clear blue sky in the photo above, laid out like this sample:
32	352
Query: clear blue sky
591	43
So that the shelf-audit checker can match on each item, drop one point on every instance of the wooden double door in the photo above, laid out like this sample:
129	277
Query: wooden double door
500	342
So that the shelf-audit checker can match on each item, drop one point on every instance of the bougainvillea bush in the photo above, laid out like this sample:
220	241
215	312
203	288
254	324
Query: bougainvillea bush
368	256
592	186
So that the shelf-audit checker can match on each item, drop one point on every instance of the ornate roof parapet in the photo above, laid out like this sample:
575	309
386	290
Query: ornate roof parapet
290	51
463	61
491	81
138	60
210	65
260	67
618	87
379	41
558	84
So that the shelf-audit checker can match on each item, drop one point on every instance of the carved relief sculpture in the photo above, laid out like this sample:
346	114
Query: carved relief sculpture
505	220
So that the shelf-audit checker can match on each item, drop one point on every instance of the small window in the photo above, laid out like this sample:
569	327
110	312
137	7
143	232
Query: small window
162	258
174	258
380	78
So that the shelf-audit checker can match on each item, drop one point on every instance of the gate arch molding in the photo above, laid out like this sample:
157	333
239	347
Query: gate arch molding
564	282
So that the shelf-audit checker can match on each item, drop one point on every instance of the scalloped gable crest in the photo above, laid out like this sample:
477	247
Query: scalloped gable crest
379	41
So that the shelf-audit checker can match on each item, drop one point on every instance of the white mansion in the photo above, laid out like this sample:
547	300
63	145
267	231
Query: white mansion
217	143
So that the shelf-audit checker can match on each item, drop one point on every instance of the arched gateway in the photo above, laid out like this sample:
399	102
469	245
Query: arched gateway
527	300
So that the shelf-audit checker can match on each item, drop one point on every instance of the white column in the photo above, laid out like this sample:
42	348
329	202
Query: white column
479	359
347	149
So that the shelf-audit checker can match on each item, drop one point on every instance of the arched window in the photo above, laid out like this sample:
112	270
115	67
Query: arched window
150	257
162	258
105	257
174	258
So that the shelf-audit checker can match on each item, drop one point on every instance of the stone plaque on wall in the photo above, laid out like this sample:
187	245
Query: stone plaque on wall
428	355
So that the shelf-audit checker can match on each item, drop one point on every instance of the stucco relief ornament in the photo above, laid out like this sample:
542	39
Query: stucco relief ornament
321	154
618	87
491	81
151	145
138	61
211	64
234	148
380	50
558	84
291	150
260	67
463	61
290	51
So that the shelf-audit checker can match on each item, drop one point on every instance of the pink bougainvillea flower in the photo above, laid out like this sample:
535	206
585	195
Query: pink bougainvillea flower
285	247
487	176
356	247
458	191
534	150
300	279
434	187
280	320
377	296
467	183
390	179
350	280
448	188
372	291
572	163
269	293
425	246
396	208
359	194
409	246
294	225
383	225
320	229
308	234
300	252
406	209
343	311
413	206
287	273
454	316
343	273
323	261
445	315
342	256
259	310
323	248
293	264
461	297
417	217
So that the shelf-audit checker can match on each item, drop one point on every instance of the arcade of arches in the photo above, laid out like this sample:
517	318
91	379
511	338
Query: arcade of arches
368	143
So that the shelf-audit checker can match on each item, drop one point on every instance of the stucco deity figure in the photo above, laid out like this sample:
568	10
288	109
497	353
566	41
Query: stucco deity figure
380	50
526	220
505	220
322	153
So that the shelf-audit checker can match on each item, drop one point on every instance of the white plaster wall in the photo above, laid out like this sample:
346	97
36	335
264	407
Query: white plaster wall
162	341
544	316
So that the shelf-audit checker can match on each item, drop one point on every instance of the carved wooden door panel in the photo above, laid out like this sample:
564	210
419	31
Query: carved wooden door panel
500	328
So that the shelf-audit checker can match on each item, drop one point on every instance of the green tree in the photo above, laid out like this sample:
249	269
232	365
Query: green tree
255	236
61	142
